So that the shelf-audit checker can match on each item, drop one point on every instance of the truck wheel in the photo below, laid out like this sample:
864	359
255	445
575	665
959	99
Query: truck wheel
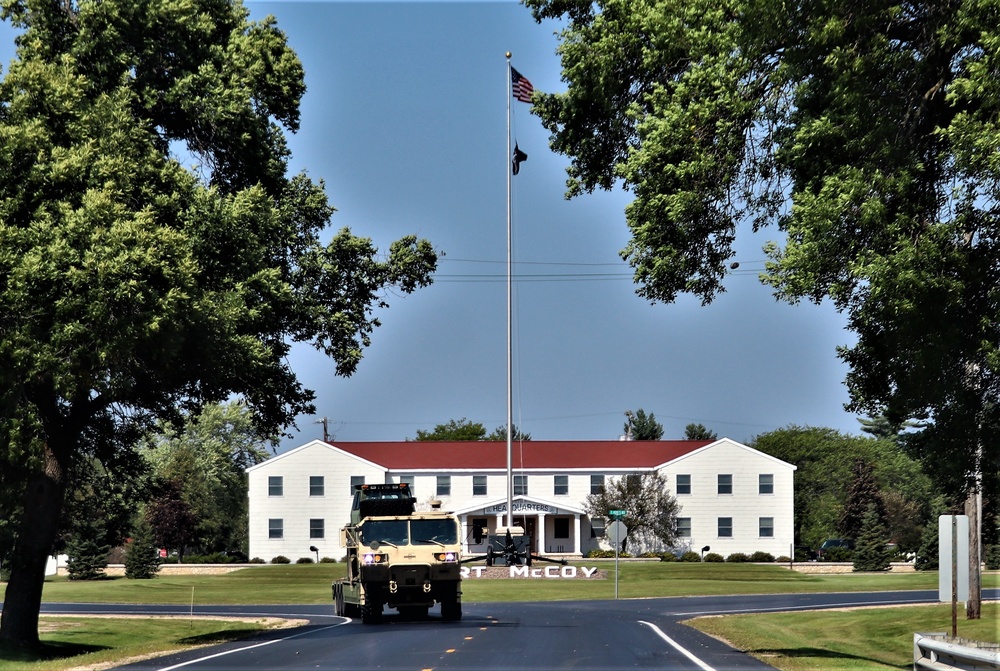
338	600
371	613
451	611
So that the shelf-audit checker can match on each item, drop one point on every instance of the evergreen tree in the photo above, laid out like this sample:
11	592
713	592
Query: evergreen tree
862	492
641	426
699	432
928	557
88	553
871	552
142	557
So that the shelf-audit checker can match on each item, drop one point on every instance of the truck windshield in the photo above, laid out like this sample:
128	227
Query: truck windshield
392	532
434	532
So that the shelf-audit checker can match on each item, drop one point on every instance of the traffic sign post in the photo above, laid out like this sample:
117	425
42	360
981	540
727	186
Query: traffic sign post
617	532
617	514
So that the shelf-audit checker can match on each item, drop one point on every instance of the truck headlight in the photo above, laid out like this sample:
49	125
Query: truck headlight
370	558
446	556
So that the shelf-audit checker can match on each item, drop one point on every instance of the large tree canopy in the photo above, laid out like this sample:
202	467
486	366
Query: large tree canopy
133	288
867	132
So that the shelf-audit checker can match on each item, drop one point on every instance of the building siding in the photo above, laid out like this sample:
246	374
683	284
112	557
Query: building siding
704	506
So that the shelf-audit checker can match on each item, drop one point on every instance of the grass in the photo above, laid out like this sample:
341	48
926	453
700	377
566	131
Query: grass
89	641
864	639
103	642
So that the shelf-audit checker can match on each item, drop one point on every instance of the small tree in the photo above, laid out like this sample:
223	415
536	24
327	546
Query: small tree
862	493
142	556
870	551
699	432
651	510
88	554
172	520
641	426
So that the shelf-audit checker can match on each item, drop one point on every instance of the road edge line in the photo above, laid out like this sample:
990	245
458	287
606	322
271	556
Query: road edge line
677	646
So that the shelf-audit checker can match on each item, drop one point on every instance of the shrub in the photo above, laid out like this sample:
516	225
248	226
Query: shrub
256	560
738	558
606	554
838	554
691	555
327	560
714	557
304	560
668	556
281	559
762	557
783	560
649	555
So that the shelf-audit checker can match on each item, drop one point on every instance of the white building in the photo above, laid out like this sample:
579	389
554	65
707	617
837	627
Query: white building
732	498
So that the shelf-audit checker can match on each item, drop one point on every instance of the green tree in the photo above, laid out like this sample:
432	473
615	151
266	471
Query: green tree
871	552
863	494
87	552
142	557
500	434
209	455
651	510
462	429
699	432
172	519
640	426
867	132
134	288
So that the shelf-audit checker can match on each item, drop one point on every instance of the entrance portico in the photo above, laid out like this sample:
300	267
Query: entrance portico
555	528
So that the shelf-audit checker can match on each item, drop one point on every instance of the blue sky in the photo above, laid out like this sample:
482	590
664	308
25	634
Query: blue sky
405	120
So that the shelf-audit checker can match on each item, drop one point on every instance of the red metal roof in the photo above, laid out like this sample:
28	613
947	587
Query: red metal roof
530	454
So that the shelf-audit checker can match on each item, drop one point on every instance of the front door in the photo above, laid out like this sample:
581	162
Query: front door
530	526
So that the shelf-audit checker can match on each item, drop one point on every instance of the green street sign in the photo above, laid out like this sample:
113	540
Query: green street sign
617	514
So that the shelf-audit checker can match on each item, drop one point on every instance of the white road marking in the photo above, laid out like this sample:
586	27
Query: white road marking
677	646
249	647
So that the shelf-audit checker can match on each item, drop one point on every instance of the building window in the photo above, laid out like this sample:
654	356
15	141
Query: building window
561	486
275	529
355	481
596	484
684	483
444	485
520	485
725	527
725	484
765	483
684	527
316	529
560	527
316	485
275	485
767	527
479	485
408	480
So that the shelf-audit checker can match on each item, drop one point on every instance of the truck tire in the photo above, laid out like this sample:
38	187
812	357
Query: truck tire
371	613
451	610
338	600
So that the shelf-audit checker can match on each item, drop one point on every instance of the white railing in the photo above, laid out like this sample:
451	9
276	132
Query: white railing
933	652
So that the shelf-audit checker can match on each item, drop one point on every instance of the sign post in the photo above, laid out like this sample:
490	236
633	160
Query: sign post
953	563
617	532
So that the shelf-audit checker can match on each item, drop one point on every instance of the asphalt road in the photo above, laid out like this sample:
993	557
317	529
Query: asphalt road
594	635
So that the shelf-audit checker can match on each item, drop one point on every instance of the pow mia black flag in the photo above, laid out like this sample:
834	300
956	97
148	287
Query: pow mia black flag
517	158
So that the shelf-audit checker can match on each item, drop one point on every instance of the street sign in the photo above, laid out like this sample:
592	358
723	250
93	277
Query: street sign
617	533
617	514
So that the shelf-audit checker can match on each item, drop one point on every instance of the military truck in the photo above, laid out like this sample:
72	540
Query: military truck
398	558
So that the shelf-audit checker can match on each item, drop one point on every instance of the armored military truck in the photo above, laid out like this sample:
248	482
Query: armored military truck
398	558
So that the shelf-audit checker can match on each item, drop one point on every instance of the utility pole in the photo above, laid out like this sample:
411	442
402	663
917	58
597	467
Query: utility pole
326	431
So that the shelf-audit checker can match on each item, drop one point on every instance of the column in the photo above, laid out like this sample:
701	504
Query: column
541	534
578	548
464	521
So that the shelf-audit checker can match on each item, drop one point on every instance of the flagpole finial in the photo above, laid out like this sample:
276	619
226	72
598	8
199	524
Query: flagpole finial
508	54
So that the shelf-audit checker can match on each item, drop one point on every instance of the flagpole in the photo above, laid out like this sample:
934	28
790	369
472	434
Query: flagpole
510	357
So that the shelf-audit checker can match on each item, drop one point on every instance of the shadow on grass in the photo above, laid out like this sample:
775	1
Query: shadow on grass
819	653
214	637
45	651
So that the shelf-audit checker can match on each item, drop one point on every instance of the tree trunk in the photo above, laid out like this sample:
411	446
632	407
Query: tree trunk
43	501
973	606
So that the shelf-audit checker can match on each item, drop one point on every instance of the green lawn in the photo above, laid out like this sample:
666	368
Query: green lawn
810	639
864	639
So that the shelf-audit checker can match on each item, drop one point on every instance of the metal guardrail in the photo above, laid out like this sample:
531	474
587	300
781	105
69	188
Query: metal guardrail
933	652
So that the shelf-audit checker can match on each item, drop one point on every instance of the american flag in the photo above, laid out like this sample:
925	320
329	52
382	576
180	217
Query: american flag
522	87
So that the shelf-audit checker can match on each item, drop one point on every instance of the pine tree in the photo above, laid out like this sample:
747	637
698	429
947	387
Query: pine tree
870	551
88	554
142	557
862	492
